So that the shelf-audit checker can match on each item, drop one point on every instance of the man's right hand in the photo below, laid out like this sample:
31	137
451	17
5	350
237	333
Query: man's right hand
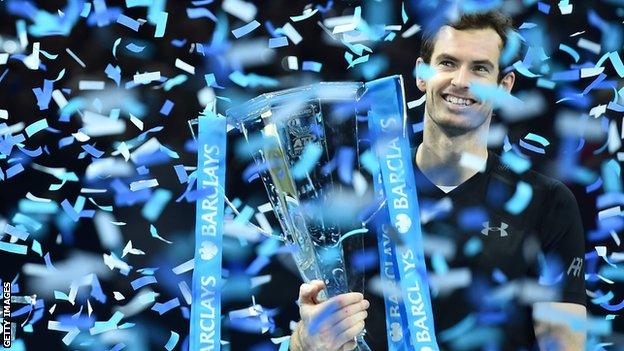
330	325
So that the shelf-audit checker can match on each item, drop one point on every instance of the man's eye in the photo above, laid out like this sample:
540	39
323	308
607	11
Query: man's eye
481	69
446	63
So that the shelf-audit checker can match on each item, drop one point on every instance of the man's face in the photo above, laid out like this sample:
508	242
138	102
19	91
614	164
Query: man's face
462	57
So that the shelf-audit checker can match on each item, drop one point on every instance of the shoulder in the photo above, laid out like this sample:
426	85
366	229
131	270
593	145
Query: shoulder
546	193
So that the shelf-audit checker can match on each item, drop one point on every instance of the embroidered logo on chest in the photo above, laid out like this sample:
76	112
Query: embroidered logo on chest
500	230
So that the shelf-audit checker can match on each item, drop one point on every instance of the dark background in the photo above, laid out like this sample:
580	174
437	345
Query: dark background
93	44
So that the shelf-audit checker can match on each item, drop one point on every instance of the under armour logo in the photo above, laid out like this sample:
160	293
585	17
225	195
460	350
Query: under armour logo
208	250
502	229
575	266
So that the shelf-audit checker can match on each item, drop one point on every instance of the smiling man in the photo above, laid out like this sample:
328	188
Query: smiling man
505	250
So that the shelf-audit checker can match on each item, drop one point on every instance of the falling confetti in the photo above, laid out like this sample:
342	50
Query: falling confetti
99	178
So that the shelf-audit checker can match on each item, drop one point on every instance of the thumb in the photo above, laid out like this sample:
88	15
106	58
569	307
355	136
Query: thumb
308	292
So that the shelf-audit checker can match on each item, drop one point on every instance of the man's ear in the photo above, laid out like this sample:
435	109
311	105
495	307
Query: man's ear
508	81
420	83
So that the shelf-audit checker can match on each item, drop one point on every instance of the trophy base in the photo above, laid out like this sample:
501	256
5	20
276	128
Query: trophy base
361	344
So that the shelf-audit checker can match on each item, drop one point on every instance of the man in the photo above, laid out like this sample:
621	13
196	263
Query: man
504	244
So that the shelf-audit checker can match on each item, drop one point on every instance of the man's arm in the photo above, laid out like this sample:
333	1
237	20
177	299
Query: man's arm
562	324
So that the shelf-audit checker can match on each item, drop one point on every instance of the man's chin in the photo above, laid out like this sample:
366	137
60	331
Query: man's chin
458	125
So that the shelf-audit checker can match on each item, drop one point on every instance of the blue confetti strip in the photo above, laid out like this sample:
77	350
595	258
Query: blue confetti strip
163	308
128	22
311	66
278	42
200	12
575	55
154	207
173	341
160	19
181	173
521	198
166	108
142	281
44	95
13	248
246	29
111	324
135	48
311	154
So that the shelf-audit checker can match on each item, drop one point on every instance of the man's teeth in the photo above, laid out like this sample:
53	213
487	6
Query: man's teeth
458	101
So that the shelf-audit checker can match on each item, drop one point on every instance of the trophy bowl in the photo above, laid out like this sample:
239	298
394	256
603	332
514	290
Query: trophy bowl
304	143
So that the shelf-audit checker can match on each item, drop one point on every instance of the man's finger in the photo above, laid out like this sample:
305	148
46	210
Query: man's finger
350	333
346	313
331	311
349	346
343	300
309	291
347	323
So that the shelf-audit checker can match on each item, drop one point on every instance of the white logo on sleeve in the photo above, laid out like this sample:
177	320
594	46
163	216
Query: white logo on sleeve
575	266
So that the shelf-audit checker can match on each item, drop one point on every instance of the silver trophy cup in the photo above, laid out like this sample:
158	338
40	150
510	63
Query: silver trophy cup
304	143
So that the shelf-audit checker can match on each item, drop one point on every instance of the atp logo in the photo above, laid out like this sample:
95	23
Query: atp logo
208	250
575	266
403	223
487	229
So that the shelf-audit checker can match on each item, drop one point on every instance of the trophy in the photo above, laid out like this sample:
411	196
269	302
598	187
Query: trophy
298	139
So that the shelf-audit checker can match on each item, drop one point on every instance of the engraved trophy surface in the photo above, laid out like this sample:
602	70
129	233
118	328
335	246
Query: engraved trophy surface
286	131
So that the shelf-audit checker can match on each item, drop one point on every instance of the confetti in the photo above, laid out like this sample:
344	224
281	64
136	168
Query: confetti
111	324
292	33
575	55
154	207
520	199
173	341
128	22
353	23
13	248
163	308
519	66
36	127
75	57
305	15
246	29
184	66
246	11
143	281
278	42
200	12
161	23
589	45
166	108
137	69
135	48
90	85
146	78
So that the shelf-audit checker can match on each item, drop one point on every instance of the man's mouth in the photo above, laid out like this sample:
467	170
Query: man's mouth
458	101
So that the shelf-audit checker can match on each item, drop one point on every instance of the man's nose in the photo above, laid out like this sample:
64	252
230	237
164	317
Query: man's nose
461	78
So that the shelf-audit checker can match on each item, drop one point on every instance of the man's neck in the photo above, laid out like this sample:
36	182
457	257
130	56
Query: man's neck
439	155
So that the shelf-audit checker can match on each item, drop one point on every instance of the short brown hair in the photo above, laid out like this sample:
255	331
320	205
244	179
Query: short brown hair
495	20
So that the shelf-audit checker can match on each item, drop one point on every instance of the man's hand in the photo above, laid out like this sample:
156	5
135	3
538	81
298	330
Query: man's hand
330	325
560	326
